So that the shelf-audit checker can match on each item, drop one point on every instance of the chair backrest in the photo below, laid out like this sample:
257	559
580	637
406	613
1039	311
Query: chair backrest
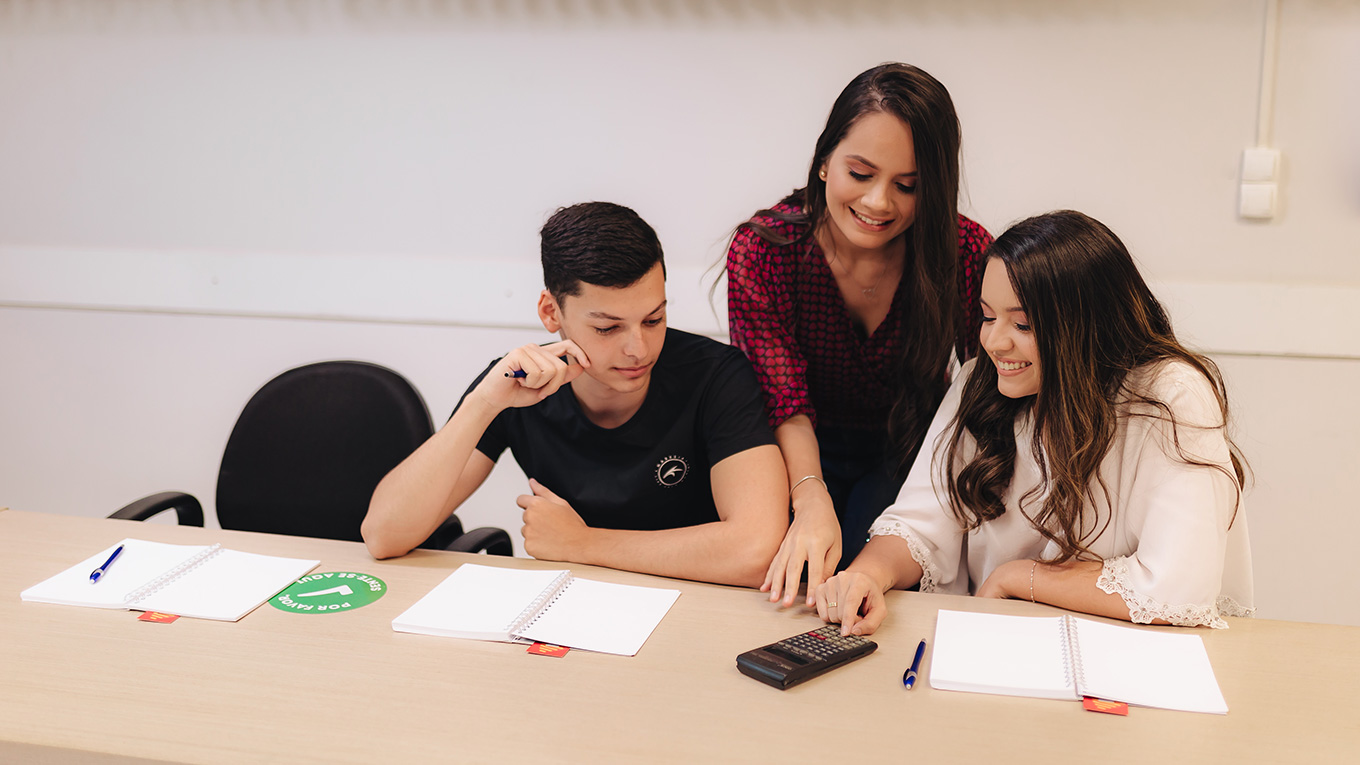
313	443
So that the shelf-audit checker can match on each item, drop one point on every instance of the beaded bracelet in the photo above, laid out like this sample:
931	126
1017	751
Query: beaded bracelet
1031	580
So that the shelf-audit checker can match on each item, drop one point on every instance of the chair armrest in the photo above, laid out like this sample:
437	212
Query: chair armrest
494	541
448	531
187	507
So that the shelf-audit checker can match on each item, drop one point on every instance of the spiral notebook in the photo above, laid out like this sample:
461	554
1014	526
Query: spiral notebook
518	605
200	581
1068	658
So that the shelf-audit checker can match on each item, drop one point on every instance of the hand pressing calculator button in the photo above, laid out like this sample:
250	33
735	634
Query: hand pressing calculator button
802	657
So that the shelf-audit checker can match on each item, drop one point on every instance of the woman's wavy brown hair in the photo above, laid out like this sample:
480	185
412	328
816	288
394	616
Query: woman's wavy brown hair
929	274
1094	321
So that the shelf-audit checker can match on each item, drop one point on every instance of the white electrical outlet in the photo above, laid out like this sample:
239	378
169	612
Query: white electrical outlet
1257	194
1257	201
1260	165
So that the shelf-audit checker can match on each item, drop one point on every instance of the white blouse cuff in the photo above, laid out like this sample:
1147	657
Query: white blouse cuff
930	573
1116	578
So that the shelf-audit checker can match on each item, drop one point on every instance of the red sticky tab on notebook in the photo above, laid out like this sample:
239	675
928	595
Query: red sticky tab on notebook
156	616
1108	707
544	649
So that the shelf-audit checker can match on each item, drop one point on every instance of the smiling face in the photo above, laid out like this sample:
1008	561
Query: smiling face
621	331
1007	337
871	183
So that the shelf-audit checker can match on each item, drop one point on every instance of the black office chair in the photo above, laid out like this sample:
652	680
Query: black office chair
307	452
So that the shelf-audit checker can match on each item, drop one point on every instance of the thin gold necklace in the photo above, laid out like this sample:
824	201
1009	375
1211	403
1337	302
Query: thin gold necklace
866	291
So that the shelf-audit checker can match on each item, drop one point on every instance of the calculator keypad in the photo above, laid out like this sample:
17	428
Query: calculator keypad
822	643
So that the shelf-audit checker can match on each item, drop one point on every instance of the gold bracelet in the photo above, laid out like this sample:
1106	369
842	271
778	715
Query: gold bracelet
1031	580
799	482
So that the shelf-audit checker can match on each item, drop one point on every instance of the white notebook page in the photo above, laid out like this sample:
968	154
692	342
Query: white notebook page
1007	655
604	617
475	601
1154	669
140	562
226	586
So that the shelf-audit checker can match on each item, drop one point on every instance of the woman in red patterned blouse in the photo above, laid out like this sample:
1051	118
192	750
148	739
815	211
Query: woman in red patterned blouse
849	297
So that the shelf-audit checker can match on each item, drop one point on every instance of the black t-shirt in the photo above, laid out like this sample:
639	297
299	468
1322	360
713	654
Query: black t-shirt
703	405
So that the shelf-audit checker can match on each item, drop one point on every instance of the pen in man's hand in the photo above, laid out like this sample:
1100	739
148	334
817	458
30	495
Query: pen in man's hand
520	373
909	677
97	573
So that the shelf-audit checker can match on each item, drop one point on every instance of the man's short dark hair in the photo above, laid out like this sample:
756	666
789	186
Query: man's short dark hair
598	243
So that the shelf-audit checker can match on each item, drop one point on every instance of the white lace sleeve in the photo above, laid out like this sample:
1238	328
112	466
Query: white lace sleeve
1182	528
930	572
1115	579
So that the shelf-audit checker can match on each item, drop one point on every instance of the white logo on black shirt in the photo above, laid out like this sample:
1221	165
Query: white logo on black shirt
671	471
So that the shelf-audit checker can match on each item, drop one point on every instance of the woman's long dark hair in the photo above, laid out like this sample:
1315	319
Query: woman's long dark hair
1094	321
929	272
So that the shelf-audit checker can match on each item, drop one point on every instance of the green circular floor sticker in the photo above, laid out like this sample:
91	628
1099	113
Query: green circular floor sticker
329	592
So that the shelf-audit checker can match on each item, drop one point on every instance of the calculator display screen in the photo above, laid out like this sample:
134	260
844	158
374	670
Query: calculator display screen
794	659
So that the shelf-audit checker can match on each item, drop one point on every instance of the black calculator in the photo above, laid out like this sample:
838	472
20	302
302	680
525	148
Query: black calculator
803	657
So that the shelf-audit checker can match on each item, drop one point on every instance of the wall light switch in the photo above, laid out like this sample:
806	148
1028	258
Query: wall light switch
1257	201
1260	165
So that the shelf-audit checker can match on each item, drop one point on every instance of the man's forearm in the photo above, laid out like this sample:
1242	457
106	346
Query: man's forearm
720	552
418	494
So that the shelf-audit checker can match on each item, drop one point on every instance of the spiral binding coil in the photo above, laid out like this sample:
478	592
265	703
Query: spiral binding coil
540	604
1071	649
164	580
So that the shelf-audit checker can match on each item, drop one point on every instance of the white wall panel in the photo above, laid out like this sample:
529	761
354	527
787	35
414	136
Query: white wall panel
197	196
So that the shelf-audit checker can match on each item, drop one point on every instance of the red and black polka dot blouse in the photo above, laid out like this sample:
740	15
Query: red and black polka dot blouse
787	315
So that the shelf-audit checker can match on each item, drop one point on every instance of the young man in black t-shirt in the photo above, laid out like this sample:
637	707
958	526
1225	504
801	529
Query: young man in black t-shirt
647	449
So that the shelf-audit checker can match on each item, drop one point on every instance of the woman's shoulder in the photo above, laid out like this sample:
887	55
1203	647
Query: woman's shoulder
784	218
1179	385
770	234
973	237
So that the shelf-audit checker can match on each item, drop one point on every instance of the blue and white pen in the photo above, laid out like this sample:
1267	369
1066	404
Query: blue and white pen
909	677
99	572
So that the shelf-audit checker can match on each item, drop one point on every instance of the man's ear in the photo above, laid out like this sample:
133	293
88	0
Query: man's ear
549	312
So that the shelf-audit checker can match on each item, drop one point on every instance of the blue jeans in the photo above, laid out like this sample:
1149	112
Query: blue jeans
859	477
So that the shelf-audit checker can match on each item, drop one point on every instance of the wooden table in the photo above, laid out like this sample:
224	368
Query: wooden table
90	685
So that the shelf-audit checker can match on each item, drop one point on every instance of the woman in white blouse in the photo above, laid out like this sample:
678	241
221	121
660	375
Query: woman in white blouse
1082	460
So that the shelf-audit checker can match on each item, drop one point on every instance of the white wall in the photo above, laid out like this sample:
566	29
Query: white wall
197	196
